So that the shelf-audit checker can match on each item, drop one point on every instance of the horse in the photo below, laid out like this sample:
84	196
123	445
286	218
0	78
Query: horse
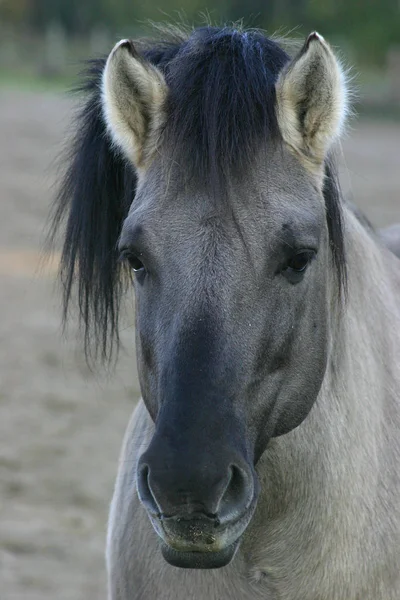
262	461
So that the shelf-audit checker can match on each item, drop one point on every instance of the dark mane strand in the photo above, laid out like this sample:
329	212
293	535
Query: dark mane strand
334	218
95	194
221	108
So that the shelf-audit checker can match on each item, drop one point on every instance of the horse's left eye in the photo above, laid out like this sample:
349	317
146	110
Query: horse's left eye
298	263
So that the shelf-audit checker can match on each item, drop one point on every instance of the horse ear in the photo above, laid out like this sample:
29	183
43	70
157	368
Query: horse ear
133	98
311	100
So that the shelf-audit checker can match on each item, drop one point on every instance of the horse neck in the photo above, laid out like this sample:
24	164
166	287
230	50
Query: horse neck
362	371
365	326
329	485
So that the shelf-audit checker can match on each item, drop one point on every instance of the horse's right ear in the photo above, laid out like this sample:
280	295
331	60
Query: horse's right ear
133	98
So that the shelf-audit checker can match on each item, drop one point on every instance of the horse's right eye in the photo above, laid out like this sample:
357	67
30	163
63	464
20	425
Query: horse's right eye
136	264
133	261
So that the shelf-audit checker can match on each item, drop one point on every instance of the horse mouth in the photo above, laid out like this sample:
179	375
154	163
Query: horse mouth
195	559
200	543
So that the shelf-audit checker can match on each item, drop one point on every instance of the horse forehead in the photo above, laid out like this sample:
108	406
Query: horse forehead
276	185
273	171
264	207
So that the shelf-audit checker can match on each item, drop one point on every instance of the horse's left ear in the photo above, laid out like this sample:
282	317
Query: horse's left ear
311	100
133	97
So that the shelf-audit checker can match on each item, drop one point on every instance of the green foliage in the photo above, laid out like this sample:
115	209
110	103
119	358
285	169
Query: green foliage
370	26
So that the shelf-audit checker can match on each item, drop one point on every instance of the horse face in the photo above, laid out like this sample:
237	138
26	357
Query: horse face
231	327
232	295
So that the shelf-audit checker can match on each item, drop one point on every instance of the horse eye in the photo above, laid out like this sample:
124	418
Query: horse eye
133	260
298	263
136	264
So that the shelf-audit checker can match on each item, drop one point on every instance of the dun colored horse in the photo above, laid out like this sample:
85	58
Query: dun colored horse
264	458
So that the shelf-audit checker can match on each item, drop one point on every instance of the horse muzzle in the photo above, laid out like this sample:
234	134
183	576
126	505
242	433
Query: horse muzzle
198	508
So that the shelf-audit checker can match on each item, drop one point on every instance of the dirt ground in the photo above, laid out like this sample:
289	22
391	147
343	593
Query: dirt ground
60	425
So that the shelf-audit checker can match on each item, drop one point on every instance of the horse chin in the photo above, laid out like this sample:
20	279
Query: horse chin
199	560
200	542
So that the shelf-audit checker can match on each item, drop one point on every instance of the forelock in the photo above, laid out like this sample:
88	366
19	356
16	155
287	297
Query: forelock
221	99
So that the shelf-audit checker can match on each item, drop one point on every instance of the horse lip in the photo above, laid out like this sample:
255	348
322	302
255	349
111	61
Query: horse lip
193	538
192	535
198	536
215	539
193	559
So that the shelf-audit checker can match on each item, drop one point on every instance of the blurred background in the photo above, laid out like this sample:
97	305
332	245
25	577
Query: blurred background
61	425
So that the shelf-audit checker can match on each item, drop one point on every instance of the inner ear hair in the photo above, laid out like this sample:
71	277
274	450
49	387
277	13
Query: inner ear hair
133	98
312	101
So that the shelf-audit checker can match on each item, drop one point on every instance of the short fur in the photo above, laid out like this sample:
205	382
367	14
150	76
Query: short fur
271	401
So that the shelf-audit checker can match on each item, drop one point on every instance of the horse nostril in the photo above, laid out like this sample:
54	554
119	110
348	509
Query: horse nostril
237	495
213	495
144	490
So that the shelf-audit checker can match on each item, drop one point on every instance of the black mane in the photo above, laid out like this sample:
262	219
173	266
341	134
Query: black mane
221	105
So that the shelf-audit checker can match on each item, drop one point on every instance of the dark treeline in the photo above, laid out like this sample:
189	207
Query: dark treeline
370	26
